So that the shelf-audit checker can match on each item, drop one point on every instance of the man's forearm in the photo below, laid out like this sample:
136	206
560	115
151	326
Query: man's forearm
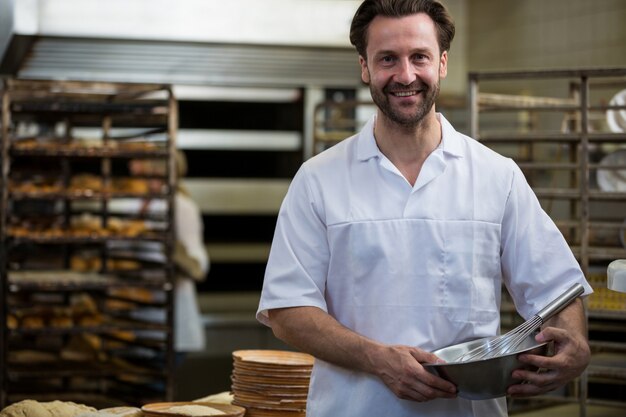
312	330
571	318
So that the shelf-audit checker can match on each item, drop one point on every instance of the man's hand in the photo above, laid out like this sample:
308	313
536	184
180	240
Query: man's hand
399	367
571	357
314	331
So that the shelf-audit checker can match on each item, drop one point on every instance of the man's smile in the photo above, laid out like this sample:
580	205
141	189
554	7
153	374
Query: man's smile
404	93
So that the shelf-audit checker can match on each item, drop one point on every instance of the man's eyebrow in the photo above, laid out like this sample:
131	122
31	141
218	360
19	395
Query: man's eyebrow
424	51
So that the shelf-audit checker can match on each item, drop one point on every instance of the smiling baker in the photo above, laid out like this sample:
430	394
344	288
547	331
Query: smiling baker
397	241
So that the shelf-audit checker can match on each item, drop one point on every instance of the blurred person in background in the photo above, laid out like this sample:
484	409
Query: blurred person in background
190	257
397	241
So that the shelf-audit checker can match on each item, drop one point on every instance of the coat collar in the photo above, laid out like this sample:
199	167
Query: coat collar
367	147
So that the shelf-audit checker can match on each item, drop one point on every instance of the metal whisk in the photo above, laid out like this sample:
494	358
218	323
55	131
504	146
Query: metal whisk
508	342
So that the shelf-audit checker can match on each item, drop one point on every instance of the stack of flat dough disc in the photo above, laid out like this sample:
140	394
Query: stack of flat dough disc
271	383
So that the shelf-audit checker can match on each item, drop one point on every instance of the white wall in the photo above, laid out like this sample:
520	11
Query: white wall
274	22
542	34
456	81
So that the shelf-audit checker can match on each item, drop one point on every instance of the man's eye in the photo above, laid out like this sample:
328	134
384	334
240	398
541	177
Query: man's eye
387	59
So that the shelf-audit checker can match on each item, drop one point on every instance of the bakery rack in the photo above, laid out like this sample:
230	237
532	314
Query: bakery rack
560	138
87	303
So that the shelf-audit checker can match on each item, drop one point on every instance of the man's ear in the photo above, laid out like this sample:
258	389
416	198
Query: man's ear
365	74
443	65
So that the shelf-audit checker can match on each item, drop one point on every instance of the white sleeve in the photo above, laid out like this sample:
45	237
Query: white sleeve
298	262
537	263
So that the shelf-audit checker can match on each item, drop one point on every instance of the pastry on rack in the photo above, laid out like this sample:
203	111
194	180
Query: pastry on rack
91	320
137	146
85	183
83	348
51	233
61	318
85	311
125	298
123	265
42	143
83	226
12	321
35	186
83	303
31	356
81	263
134	228
86	225
24	144
26	230
18	231
142	295
32	321
130	186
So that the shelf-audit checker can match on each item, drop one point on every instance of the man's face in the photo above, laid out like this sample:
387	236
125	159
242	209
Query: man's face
403	67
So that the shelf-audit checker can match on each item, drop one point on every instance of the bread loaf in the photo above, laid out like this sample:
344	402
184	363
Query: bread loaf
32	408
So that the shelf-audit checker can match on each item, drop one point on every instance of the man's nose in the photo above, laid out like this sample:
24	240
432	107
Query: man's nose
406	73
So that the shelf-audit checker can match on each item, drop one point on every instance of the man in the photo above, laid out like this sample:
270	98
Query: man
396	242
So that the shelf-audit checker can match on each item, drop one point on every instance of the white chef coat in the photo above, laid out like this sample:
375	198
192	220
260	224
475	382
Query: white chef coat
417	265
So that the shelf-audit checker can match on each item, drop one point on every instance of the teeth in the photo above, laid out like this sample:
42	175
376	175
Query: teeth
404	93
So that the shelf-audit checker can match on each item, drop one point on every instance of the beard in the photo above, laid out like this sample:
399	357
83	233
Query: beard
413	118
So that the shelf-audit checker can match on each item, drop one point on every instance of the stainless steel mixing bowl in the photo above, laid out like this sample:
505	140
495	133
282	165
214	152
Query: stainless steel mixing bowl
484	378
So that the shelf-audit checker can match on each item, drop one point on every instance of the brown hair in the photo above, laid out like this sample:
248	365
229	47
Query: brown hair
369	9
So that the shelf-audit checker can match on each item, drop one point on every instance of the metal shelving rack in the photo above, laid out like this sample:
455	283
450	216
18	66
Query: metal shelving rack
134	357
559	140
